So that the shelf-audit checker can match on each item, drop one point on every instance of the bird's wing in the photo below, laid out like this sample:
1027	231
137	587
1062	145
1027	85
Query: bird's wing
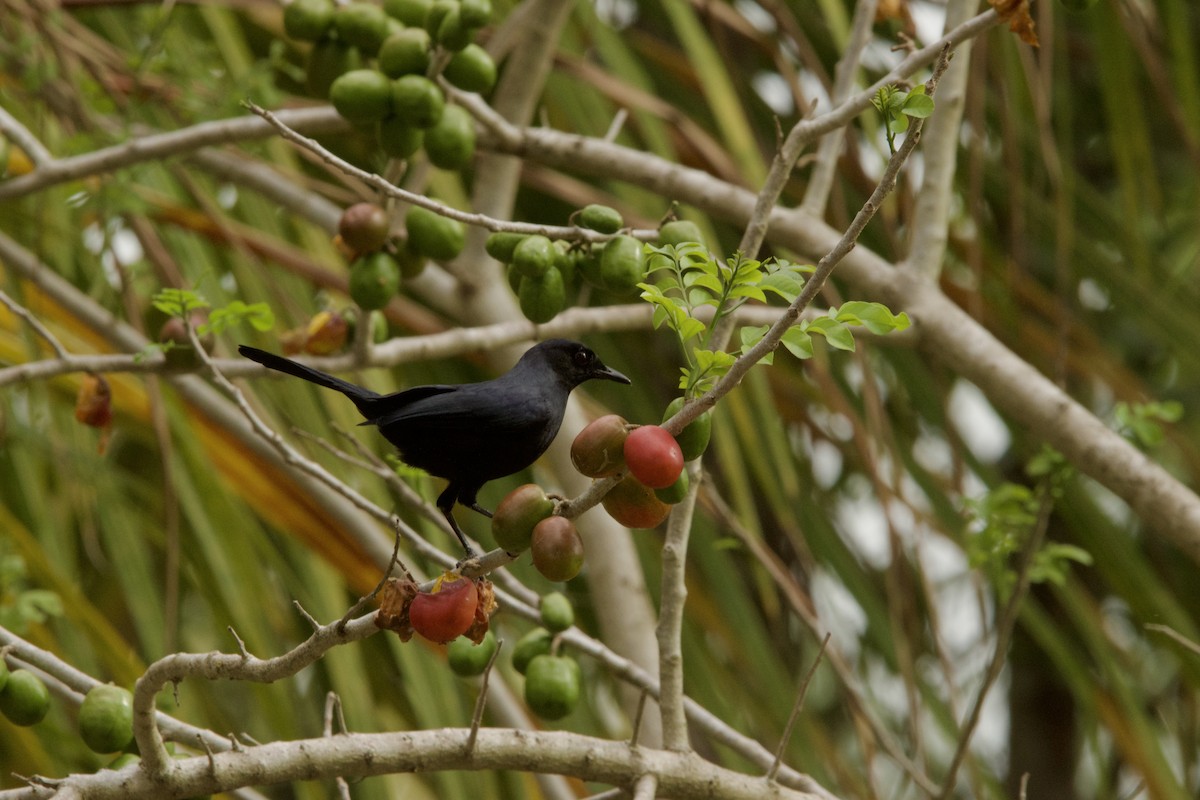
390	407
477	407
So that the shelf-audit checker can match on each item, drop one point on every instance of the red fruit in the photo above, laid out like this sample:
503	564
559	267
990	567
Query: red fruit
445	613
634	505
557	549
597	451
653	456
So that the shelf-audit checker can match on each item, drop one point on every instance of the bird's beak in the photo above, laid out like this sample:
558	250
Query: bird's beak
609	374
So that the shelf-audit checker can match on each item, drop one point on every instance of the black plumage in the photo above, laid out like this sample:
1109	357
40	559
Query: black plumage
470	433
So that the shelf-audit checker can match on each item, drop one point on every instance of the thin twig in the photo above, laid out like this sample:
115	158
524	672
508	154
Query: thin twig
796	709
481	701
33	322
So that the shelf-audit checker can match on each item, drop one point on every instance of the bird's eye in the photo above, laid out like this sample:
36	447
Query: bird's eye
582	358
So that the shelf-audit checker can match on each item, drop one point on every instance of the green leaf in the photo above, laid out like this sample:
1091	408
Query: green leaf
786	283
917	105
178	302
836	333
876	317
749	290
798	343
259	315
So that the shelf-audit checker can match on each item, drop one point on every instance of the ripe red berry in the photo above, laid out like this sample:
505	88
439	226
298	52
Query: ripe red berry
445	613
653	456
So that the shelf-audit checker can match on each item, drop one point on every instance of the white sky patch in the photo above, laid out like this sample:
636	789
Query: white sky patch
756	15
933	452
838	611
826	462
227	196
116	246
619	14
863	527
1093	296
775	92
977	422
929	19
813	90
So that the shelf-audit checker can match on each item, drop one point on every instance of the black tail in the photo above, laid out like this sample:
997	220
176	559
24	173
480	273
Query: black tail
361	397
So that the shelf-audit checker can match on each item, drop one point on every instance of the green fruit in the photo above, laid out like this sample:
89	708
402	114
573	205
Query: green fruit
398	139
518	513
542	297
124	760
363	25
411	12
621	265
513	277
530	646
25	699
106	719
374	280
534	256
471	69
434	236
411	263
405	52
676	491
327	60
362	96
417	101
3	674
467	658
450	144
308	20
552	686
557	612
601	218
680	231
589	267
475	13
501	244
566	261
438	11
693	440
452	32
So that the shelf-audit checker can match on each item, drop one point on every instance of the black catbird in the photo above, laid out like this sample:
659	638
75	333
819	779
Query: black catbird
470	433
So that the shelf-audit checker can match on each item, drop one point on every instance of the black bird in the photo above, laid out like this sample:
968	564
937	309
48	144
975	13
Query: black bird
470	433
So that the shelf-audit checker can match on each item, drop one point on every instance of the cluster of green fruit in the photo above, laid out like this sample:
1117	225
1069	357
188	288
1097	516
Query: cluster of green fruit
376	65
553	682
546	274
651	457
105	716
380	262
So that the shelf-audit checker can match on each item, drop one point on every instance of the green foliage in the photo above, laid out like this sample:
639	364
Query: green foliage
21	605
181	302
690	279
1142	422
258	315
899	108
1006	518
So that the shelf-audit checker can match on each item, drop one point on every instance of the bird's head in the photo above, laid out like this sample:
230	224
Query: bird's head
572	362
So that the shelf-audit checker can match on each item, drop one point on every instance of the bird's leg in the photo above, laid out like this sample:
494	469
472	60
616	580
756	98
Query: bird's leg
445	504
480	509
